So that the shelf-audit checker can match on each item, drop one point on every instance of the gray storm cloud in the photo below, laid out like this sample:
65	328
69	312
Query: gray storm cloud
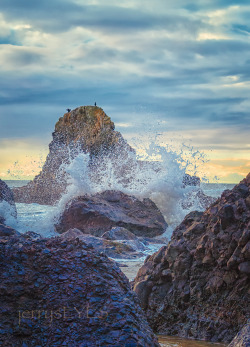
185	64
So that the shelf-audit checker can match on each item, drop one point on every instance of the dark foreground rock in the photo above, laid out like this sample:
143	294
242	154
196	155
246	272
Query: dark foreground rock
100	212
199	285
242	339
6	231
86	129
61	292
6	195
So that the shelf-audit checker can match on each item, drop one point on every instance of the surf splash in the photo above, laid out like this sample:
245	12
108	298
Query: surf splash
160	177
7	212
159	174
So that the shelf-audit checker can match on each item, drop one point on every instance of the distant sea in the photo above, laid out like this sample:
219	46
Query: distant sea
211	189
16	183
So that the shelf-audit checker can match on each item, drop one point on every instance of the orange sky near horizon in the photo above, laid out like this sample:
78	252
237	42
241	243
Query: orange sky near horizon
23	159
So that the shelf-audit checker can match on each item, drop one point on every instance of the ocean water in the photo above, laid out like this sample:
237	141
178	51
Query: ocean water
215	189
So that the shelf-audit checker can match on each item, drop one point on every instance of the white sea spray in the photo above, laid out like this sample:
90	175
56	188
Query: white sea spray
159	176
7	212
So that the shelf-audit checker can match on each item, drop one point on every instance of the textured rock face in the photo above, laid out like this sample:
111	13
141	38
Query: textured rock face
7	196
87	129
124	236
100	212
112	249
119	233
60	292
242	339
199	285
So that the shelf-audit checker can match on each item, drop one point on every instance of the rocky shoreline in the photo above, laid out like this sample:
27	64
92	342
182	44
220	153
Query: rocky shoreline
195	287
199	285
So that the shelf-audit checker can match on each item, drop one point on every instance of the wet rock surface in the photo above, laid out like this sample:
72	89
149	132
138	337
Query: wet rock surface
119	233
199	285
111	248
61	292
125	237
86	129
6	196
98	213
242	339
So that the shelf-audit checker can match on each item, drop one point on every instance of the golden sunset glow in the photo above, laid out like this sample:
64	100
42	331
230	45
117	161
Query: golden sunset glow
20	159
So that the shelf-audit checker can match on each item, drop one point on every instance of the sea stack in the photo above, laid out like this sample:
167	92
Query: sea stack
86	129
199	285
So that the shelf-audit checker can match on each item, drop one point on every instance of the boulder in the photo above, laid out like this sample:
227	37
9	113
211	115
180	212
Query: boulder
119	233
112	249
242	339
100	212
198	285
6	197
61	292
124	236
87	129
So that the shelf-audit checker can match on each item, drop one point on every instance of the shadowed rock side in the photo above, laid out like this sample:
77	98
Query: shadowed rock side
86	129
199	285
242	339
6	195
61	292
98	213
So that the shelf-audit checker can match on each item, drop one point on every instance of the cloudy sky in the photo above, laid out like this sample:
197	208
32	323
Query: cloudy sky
180	67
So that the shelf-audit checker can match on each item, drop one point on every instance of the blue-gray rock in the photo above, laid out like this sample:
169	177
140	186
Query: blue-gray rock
199	285
52	295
